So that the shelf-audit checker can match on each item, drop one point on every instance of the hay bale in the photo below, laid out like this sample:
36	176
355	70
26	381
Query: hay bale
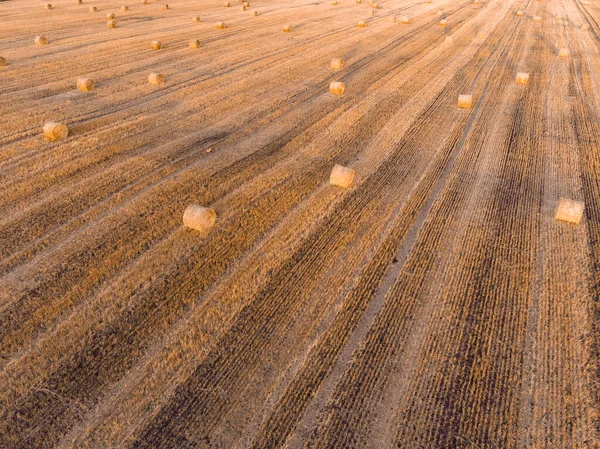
465	101
476	2
165	7
337	87
428	1
519	13
80	2
255	13
443	22
243	7
221	25
85	84
144	2
522	78
361	24
196	19
156	45
393	19
110	16
2	61
226	4
537	19
358	2
375	6
41	40
287	28
48	6
341	176
124	8
372	13
199	218
334	3
194	43
156	78
405	20
563	53
337	64
93	9
246	4
440	12
111	24
448	39
55	130
569	210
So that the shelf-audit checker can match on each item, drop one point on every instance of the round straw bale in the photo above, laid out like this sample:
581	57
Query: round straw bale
287	28
428	1
156	79
337	87
522	78
393	19
55	130
41	40
563	52
358	2
165	7
440	12
334	3
361	24
79	2
244	8
448	39
337	64
48	6
226	4
156	45
199	218
93	9
537	19
2	61
144	2
194	43
255	13
405	19
465	101
443	22
110	16
111	24
519	13
375	6
476	2
196	19
124	8
221	25
85	84
341	176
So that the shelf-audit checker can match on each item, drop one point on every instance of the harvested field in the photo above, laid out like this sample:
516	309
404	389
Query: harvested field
365	264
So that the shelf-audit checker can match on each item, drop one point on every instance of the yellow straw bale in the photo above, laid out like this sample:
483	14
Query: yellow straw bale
156	45
2	61
393	19
465	101
165	7
361	24
156	79
93	9
124	8
196	19
287	28
48	6
537	19
405	19
443	22
111	24
522	78
226	4
519	13
110	16
563	52
194	43
337	64
448	39
341	176
85	84
569	210
41	40
337	87
199	218
55	130
221	25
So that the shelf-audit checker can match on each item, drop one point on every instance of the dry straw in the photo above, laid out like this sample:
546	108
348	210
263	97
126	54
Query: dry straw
125	8
341	176
2	61
569	210
165	7
334	3
156	79
221	25
287	28
448	39
405	19
246	4
226	4
41	40
584	27
537	19
393	19
443	22
440	12
196	19
255	13
375	6
48	6
194	43
358	2
199	218
337	64
144	2
519	13
85	84
337	87
55	130
110	16
111	24
563	52
244	7
361	24
522	78
80	2
93	9
465	101
372	13
156	45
